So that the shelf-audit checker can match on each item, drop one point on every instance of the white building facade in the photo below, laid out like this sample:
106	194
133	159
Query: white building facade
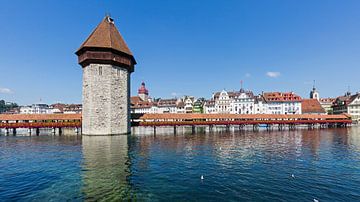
282	103
39	108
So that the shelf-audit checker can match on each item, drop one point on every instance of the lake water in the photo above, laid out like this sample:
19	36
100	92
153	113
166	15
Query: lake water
300	165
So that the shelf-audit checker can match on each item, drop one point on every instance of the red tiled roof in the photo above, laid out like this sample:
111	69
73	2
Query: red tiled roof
167	102
311	106
327	100
233	94
25	117
281	97
137	103
243	116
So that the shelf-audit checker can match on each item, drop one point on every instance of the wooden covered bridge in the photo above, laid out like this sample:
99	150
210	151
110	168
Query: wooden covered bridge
37	121
60	121
255	120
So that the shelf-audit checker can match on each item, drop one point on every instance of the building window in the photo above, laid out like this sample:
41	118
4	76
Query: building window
100	70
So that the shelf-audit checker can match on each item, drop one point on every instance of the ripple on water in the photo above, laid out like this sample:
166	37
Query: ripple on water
236	167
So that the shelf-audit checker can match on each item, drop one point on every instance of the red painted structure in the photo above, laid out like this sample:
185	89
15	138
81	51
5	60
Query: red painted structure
239	119
40	121
14	121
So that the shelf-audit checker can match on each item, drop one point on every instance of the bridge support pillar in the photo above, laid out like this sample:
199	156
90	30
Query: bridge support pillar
6	131
227	128
255	127
174	130
37	131
29	131
77	131
60	131
53	131
14	131
268	127
193	128
154	130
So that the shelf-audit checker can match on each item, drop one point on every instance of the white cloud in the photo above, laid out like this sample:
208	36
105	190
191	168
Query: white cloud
174	94
273	74
5	90
247	75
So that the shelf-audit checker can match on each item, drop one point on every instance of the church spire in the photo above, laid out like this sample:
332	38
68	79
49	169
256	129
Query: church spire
314	85
314	94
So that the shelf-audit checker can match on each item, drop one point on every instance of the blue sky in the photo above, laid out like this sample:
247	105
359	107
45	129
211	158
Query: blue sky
184	47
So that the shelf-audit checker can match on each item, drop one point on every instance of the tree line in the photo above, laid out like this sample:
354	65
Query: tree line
4	107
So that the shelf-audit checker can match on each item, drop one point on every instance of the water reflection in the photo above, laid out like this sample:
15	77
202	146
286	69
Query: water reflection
105	168
247	166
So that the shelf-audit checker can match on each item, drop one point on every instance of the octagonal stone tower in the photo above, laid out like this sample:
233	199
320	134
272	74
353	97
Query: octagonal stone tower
107	63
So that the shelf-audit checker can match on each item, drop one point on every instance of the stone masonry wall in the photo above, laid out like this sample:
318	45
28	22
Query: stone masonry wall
106	95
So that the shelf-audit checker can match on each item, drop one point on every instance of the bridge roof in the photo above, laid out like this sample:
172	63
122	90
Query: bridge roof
243	116
38	117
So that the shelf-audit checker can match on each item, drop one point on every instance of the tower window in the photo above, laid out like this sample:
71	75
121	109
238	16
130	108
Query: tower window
100	70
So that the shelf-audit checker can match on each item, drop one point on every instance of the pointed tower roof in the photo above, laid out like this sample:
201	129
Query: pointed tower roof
106	35
106	38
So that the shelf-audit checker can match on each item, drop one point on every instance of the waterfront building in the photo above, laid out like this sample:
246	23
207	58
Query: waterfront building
180	106
327	103
38	108
260	105
140	106
142	103
189	104
243	102
58	108
341	103
107	63
167	105
73	109
311	106
282	103
209	107
198	107
234	102
222	102
349	104
354	107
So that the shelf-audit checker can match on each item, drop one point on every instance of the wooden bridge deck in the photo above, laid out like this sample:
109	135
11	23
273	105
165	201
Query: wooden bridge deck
239	119
74	120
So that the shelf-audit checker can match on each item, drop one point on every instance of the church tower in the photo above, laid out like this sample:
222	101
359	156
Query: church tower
107	63
143	92
314	94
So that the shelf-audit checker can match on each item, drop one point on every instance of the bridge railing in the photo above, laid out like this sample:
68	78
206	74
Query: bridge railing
41	125
247	122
